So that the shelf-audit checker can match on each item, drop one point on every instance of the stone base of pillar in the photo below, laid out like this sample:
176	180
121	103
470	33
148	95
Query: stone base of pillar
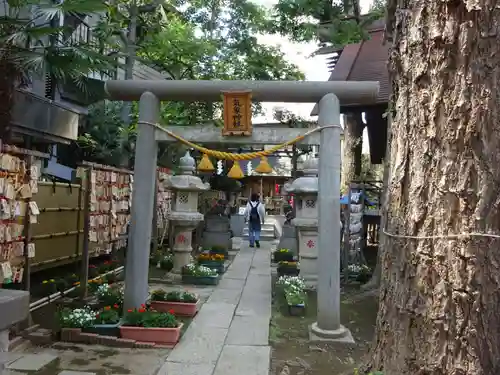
4	342
236	243
181	259
311	281
175	278
309	269
288	239
341	335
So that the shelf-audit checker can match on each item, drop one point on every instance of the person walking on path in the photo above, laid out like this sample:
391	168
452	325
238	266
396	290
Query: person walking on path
254	216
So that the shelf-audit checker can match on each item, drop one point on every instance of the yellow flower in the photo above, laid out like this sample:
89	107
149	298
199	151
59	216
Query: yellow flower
52	280
44	282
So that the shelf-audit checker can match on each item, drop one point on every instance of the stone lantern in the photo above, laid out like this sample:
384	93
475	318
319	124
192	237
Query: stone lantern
305	190
184	216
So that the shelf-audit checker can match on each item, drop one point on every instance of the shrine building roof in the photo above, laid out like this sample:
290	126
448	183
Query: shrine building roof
364	61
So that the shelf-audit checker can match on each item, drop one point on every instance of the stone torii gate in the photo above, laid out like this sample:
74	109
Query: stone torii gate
330	96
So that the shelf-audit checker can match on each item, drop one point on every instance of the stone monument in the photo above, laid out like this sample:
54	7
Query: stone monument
184	216
217	230
14	308
305	190
288	238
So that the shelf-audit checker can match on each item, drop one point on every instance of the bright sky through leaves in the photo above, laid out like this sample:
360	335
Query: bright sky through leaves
314	68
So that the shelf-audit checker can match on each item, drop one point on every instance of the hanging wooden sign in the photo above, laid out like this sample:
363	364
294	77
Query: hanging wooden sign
237	113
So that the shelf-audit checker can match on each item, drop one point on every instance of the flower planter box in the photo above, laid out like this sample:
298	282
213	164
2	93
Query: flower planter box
216	266
289	271
200	280
179	308
162	336
104	329
297	310
222	252
283	257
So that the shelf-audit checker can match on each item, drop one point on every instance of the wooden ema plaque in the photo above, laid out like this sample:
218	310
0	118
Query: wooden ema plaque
237	113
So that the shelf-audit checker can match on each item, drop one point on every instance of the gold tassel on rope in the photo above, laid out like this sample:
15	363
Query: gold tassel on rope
263	166
235	171
205	164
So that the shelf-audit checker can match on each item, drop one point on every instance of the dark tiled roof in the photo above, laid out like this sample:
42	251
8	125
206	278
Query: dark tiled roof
365	61
369	64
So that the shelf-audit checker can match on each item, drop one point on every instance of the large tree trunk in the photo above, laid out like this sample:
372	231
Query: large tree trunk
353	146
440	298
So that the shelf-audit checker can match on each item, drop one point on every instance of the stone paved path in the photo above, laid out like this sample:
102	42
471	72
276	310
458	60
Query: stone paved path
230	333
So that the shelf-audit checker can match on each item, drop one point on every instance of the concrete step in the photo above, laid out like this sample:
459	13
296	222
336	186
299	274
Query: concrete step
263	232
39	336
262	238
267	226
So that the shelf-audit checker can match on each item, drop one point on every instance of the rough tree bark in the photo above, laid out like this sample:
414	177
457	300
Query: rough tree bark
353	145
440	298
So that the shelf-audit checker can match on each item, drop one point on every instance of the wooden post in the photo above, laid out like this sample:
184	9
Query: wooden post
78	220
86	229
27	224
347	236
155	216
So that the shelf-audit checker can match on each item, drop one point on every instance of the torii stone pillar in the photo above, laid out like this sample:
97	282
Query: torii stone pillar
330	96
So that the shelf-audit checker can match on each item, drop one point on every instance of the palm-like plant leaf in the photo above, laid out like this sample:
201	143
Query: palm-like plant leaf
31	42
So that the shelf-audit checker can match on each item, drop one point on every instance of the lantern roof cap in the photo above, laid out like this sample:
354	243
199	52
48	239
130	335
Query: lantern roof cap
308	184
186	181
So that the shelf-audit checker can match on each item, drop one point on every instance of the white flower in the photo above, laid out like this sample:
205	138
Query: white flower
79	318
197	270
102	290
292	281
358	268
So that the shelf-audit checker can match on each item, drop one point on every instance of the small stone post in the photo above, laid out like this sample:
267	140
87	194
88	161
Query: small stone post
305	190
184	215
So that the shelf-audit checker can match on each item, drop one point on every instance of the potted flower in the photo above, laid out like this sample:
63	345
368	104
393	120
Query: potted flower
72	279
146	324
109	296
49	287
295	299
213	261
166	263
199	275
77	318
107	322
181	303
359	272
283	255
154	258
94	284
219	250
106	266
288	268
287	281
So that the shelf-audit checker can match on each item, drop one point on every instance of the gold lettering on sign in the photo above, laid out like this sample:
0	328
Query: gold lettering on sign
237	113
